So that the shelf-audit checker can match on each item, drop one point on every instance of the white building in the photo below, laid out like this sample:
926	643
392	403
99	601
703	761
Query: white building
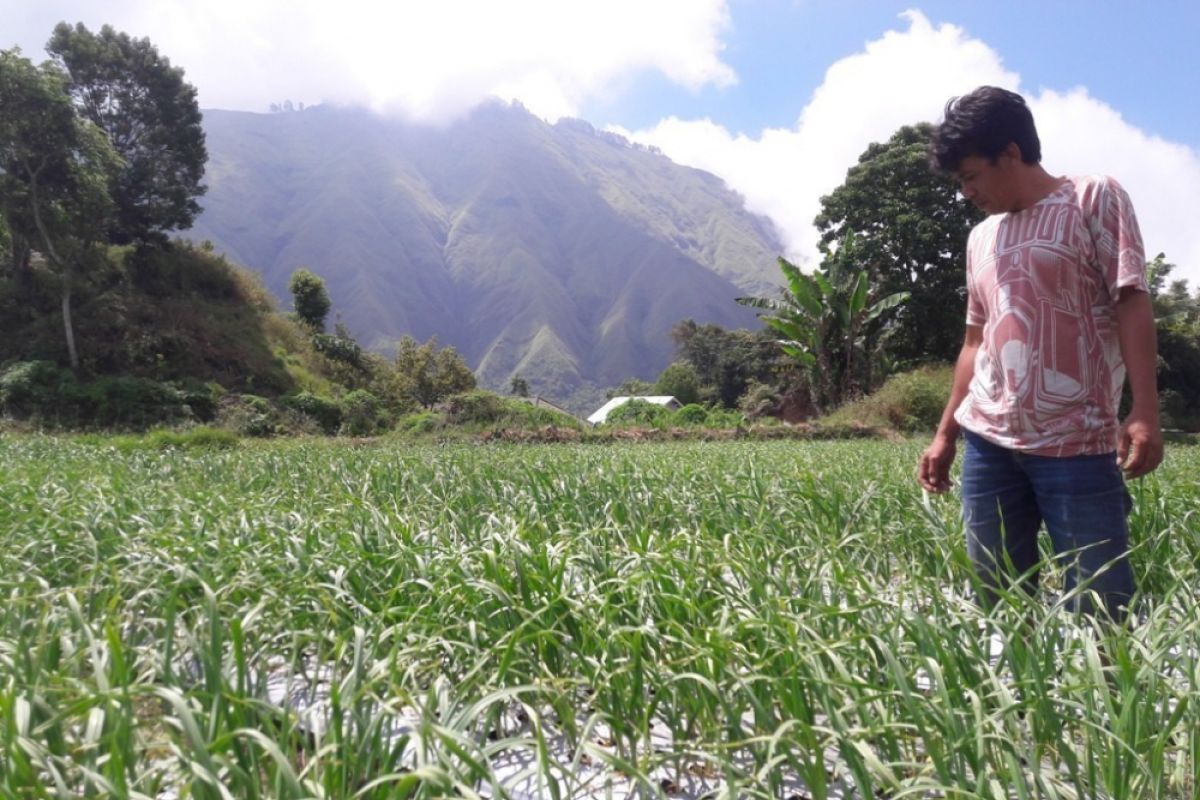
601	414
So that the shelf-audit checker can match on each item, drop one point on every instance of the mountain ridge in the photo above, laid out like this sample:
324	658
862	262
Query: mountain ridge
557	252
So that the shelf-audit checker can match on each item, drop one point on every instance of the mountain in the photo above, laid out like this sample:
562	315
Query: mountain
557	252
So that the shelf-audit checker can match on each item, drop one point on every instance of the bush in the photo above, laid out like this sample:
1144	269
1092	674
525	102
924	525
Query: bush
122	401
202	400
691	414
523	414
639	412
248	415
911	402
361	413
724	418
478	407
201	438
759	400
338	348
419	422
33	388
325	412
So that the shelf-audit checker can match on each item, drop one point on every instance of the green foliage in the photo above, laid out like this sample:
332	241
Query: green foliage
149	115
54	173
727	362
201	438
28	388
639	412
910	402
691	414
362	414
474	408
42	391
519	386
1177	313
760	400
679	380
419	422
910	231
426	374
127	402
823	317
325	412
249	415
684	591
310	299
339	348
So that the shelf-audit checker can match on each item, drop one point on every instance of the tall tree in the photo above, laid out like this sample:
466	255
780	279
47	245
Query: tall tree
910	231
54	171
152	120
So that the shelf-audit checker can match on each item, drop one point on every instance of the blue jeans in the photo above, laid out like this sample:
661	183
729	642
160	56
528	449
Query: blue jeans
1007	495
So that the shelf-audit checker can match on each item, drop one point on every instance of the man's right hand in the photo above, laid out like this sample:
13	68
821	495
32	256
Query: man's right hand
933	471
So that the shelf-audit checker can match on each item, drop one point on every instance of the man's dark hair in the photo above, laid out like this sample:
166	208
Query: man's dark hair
983	123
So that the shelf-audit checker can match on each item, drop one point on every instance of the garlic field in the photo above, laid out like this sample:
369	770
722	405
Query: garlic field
319	619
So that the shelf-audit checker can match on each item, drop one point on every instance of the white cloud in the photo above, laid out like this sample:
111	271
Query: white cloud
1081	134
428	60
907	76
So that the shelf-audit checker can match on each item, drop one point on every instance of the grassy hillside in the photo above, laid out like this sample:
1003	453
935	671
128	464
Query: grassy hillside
164	336
185	314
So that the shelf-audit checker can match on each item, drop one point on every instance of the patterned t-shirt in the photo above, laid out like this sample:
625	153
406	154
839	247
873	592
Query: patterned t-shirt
1043	282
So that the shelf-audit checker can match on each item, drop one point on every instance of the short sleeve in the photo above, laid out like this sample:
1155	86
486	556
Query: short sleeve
1120	255
975	312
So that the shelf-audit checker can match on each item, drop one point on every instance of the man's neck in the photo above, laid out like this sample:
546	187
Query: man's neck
1035	185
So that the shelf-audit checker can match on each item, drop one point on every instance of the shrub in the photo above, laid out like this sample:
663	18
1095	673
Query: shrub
361	413
639	412
202	400
122	401
479	407
419	422
201	438
724	418
338	348
912	401
248	415
691	414
523	414
325	412
759	400
33	388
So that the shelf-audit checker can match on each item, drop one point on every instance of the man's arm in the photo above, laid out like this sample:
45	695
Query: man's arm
1140	445
933	471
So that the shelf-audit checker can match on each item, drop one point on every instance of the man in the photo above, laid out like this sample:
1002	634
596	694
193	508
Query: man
1058	312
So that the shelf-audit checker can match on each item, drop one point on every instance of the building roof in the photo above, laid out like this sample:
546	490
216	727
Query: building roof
601	414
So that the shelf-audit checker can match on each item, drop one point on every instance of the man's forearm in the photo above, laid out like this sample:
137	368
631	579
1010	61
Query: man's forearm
1139	350
964	370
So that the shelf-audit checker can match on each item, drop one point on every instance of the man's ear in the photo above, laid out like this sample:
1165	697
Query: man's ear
1012	153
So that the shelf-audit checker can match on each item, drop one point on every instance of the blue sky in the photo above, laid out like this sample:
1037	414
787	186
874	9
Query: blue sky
1142	58
777	97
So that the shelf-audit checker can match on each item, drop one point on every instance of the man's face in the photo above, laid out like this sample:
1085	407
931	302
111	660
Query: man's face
991	187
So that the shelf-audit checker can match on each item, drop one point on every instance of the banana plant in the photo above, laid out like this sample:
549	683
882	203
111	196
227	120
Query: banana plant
822	317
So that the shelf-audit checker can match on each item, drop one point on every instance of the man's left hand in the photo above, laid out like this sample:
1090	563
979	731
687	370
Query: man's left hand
1140	445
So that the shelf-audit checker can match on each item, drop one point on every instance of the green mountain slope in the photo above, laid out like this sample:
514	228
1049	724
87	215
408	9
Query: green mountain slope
552	251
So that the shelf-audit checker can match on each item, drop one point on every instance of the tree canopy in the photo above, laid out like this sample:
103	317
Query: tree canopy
54	168
152	120
310	299
910	231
